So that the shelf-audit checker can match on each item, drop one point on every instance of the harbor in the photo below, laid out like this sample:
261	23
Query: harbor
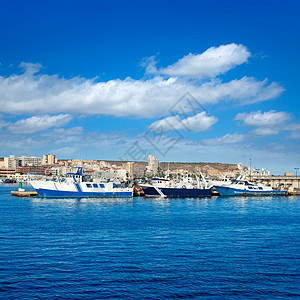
149	150
95	179
75	178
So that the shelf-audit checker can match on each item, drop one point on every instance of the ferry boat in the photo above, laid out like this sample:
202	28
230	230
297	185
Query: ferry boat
75	186
244	187
161	187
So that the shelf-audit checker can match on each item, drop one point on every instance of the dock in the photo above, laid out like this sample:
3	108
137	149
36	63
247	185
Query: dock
24	193
294	193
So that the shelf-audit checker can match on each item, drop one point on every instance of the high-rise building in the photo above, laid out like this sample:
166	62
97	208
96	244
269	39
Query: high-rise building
10	162
13	162
48	159
31	161
152	166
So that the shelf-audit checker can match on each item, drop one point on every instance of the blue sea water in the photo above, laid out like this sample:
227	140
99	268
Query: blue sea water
218	248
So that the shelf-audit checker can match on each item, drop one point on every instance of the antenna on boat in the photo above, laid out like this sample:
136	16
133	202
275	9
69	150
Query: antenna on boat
203	178
168	171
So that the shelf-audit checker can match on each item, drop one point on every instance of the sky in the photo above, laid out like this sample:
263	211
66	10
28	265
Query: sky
189	81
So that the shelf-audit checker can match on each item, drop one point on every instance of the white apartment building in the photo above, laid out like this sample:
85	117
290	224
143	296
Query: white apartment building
48	159
152	166
13	162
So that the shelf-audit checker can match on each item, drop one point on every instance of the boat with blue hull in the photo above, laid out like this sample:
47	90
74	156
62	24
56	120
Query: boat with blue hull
160	187
151	191
245	188
74	186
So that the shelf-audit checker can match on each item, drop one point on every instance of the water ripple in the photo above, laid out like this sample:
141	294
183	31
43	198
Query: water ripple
149	248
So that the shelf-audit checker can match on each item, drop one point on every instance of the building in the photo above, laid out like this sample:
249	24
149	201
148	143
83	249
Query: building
139	169
10	162
48	159
31	161
34	169
2	163
288	174
14	163
128	166
152	166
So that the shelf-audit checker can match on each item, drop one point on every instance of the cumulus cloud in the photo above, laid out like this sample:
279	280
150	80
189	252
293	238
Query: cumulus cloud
263	119
212	62
226	139
34	93
195	123
44	94
39	123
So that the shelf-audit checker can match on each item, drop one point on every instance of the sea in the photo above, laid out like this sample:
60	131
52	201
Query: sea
141	248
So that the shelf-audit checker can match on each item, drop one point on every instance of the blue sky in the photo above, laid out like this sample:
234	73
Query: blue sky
99	80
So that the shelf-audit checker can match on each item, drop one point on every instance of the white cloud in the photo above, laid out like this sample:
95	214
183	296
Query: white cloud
263	119
70	131
265	131
295	130
64	152
49	94
293	126
226	139
30	68
34	93
39	123
195	123
212	62
150	64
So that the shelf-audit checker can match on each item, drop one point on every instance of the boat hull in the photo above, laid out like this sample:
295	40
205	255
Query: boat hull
51	189
67	194
151	191
228	191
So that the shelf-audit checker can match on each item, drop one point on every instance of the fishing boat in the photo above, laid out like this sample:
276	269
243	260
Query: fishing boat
162	187
244	187
75	186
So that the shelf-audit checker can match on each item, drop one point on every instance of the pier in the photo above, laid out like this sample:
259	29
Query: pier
277	181
24	193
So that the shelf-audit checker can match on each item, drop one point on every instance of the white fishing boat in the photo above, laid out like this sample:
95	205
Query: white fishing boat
244	187
183	188
75	186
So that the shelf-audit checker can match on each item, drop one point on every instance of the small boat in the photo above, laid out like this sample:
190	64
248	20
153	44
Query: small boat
161	187
75	186
244	187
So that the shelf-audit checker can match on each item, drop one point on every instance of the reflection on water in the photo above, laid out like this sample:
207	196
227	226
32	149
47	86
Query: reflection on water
80	201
